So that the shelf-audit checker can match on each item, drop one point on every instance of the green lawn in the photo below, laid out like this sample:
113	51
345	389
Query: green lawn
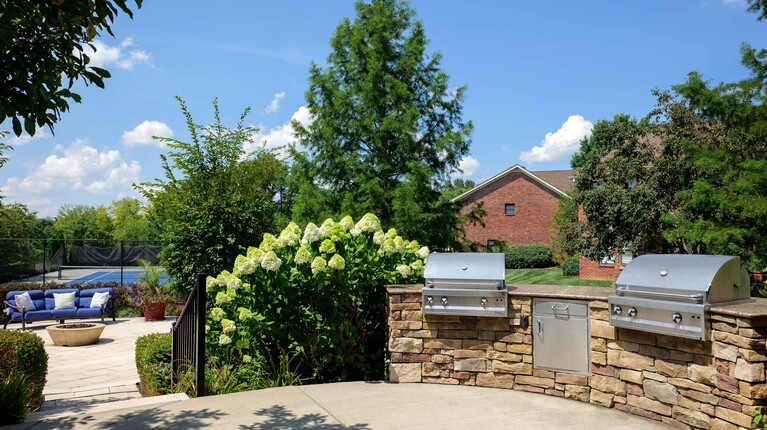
551	276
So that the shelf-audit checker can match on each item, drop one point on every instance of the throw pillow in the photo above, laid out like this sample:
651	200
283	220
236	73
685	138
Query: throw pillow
64	300
99	299
25	301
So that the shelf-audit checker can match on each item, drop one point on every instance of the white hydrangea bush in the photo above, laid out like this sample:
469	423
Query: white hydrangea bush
317	293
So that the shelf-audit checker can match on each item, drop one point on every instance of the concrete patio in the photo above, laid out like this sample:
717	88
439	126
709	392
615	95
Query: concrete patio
94	387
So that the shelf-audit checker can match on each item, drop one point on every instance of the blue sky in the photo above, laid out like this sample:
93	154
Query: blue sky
539	74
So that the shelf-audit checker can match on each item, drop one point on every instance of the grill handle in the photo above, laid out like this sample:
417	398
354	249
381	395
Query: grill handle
694	298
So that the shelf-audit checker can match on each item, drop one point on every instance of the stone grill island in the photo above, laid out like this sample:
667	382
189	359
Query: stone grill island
686	383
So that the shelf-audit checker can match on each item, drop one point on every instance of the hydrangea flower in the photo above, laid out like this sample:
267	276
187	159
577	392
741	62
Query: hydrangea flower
245	314
423	252
318	265
412	246
328	246
378	237
231	281
302	255
368	222
290	236
243	344
217	314
404	270
224	339
311	234
222	297
271	262
255	254
326	226
392	233
211	283
336	233
399	244
347	223
227	326
337	262
388	247
246	358
269	243
244	265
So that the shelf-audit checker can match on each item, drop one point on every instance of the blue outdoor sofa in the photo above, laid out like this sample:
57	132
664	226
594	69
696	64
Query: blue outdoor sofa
45	306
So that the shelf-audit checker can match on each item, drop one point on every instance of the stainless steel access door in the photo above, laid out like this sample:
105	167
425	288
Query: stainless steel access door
561	336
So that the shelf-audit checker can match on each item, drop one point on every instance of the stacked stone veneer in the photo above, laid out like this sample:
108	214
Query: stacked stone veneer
681	382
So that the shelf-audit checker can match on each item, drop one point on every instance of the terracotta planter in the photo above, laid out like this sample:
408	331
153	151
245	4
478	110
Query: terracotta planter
154	312
75	334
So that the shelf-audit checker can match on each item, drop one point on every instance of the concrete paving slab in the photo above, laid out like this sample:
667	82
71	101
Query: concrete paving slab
362	405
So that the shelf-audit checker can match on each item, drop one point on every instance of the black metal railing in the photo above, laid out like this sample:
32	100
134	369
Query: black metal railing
188	350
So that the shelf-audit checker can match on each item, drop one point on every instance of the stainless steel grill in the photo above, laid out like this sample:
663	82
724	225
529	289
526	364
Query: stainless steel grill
671	294
465	283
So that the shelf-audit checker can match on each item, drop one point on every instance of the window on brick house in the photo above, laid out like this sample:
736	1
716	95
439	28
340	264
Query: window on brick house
491	242
510	209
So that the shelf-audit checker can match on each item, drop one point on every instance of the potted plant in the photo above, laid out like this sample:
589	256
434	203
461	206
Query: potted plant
151	295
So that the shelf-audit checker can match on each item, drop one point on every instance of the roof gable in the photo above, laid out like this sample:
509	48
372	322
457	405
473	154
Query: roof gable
558	181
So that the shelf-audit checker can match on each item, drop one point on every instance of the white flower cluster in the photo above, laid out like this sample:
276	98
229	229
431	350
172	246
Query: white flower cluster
326	226
290	236
368	223
404	270
244	265
227	326
318	265
224	339
302	255
245	314
271	262
328	246
217	313
337	262
269	243
347	223
311	234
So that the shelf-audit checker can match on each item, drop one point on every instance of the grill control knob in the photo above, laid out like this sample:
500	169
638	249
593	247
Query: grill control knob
676	318
444	301
429	299
617	310
483	302
632	312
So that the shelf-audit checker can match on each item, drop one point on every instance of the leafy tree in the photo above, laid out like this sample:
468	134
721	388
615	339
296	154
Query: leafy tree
131	221
82	222
625	182
215	199
387	129
42	56
16	221
565	232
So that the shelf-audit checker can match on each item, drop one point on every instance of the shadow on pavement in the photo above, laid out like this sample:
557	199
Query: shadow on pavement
143	419
279	418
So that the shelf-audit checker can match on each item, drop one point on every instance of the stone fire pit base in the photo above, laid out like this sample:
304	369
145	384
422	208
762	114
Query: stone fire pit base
75	334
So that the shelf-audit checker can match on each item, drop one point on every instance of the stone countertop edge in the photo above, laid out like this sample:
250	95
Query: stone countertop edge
750	308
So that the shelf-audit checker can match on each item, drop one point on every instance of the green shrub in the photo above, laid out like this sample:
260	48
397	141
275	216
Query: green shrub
317	295
22	354
571	266
13	404
153	353
528	256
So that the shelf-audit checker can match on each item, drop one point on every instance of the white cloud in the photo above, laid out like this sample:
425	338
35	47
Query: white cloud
121	55
282	135
275	104
78	167
562	143
466	167
142	134
25	138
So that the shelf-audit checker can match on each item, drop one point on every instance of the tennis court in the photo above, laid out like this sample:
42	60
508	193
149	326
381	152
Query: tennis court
85	276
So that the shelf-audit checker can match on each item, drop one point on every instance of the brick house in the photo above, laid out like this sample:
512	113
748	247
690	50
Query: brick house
519	205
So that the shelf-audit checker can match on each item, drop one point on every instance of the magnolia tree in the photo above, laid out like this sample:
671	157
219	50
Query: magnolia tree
316	296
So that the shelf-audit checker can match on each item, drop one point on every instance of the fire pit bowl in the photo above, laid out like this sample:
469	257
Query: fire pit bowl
75	334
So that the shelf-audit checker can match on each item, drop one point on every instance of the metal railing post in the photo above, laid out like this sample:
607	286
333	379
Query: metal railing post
200	335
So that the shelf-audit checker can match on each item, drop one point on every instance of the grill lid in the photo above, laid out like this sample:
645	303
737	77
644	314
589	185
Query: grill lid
712	278
465	267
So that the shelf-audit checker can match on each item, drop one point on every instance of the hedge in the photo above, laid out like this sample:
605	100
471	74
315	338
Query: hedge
571	266
153	353
528	256
23	358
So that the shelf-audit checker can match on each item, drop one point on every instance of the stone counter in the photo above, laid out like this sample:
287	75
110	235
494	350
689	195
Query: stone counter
682	382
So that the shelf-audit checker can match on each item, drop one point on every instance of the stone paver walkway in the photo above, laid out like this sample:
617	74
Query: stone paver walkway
81	376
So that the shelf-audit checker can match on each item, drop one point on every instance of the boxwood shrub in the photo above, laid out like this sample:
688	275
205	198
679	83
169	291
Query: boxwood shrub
153	363
22	358
571	267
528	256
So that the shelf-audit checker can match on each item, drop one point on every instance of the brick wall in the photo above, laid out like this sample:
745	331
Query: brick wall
684	383
535	207
595	270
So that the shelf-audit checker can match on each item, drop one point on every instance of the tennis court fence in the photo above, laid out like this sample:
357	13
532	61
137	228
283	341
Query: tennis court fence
35	259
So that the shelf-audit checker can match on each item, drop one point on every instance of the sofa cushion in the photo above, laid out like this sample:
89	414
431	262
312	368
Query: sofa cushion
25	301
64	301
42	314
50	303
64	313
88	312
